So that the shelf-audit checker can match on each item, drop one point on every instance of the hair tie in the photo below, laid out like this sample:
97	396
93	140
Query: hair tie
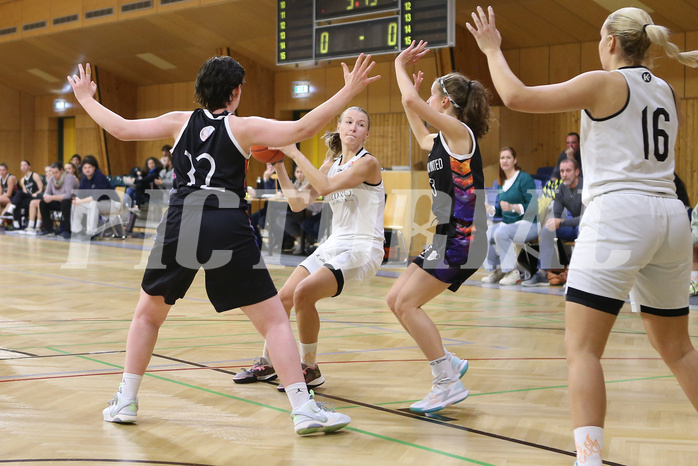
644	28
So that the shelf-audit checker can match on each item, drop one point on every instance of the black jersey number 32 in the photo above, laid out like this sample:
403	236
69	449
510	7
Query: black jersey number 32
660	138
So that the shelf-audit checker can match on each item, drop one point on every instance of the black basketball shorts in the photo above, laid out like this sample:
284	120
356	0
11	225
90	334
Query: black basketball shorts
223	243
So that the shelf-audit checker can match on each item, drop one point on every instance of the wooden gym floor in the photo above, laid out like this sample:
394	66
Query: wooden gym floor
66	307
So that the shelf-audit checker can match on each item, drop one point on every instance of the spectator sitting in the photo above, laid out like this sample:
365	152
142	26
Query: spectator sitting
93	198
166	180
294	220
71	169
77	161
144	179
31	188
516	192
57	197
568	196
8	188
572	151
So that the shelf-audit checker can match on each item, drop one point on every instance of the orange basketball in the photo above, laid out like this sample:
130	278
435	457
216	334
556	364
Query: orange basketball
266	155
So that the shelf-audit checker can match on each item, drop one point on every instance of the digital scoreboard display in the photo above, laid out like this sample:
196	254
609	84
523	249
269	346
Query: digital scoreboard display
312	30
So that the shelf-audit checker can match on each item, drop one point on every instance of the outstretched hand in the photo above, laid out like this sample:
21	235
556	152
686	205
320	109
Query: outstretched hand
358	78
82	85
417	79
413	53
290	151
485	31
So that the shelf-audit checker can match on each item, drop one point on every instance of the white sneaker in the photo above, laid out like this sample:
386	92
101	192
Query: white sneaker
493	277
30	231
443	393
511	278
121	411
317	417
460	366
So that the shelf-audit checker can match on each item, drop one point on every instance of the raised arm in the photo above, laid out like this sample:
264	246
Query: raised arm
366	168
164	126
418	110
601	92
261	131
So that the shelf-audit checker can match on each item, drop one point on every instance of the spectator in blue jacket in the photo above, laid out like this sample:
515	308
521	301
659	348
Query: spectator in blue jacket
517	205
95	196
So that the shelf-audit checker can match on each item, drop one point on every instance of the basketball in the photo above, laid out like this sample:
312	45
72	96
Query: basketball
266	155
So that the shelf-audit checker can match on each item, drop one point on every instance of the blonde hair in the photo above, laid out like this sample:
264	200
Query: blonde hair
636	31
332	140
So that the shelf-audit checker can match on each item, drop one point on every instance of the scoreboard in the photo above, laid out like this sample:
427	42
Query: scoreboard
313	30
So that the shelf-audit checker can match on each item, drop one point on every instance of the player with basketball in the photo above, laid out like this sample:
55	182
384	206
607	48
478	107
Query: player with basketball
458	108
207	217
629	125
352	183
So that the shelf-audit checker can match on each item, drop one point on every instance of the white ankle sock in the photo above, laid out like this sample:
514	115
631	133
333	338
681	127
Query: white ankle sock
31	224
297	394
441	368
266	355
309	354
130	385
589	442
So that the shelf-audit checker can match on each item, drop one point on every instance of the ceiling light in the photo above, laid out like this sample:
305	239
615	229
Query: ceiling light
156	61
44	75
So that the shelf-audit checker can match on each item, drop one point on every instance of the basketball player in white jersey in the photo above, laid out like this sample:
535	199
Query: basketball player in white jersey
352	183
628	132
208	218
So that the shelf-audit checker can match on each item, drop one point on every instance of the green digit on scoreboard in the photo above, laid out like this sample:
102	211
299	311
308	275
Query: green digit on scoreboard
324	42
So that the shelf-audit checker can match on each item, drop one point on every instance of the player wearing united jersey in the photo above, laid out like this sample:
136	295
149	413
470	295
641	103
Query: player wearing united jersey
459	108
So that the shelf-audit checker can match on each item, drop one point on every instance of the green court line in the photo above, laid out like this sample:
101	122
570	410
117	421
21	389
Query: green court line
519	390
262	405
420	447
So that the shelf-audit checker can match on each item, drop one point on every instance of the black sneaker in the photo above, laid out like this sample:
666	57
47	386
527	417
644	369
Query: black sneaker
261	370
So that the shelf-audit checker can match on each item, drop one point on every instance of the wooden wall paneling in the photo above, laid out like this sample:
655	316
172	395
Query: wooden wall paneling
283	100
92	5
32	12
122	98
258	91
134	13
535	66
686	164
395	96
183	96
379	91
27	120
564	62
62	8
160	8
490	144
11	16
691	73
470	61
589	59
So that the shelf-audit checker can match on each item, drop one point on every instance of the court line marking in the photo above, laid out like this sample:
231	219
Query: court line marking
199	366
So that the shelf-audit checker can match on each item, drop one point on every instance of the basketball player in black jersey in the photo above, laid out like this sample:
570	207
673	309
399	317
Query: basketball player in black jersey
207	225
